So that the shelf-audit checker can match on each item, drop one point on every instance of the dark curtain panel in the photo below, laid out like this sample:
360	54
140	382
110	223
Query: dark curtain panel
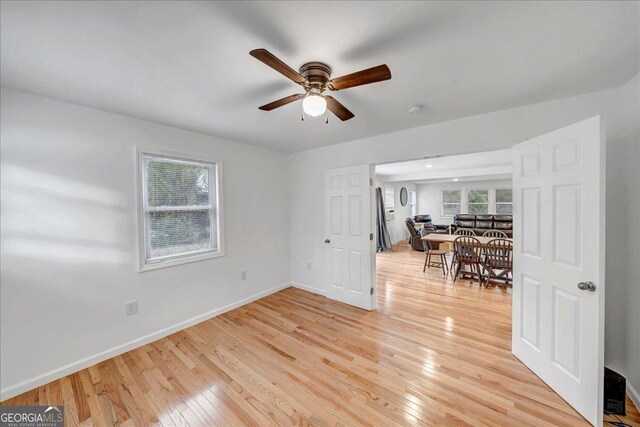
383	240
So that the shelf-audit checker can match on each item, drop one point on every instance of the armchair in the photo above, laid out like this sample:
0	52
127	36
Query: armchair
429	225
414	237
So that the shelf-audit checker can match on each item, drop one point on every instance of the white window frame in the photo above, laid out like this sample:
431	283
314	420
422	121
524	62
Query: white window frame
390	210
389	205
496	203
215	200
488	190
442	203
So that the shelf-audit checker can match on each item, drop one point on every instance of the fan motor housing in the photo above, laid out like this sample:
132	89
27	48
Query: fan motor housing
316	73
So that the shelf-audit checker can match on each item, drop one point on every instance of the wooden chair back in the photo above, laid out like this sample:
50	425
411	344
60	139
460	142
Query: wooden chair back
468	250
499	254
495	233
464	232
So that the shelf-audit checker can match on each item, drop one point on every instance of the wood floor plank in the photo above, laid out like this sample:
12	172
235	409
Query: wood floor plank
433	353
133	397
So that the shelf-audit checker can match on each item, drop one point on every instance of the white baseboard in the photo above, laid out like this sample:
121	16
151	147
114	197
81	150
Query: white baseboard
634	395
308	288
47	377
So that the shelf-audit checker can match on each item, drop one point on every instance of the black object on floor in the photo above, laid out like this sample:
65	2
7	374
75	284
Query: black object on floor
615	392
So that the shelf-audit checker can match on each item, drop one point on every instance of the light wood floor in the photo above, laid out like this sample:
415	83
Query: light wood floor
434	353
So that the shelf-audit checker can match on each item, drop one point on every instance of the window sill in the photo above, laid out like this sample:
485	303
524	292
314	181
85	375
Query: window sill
142	267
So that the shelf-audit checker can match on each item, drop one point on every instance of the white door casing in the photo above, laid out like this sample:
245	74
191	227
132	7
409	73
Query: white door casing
349	227
559	241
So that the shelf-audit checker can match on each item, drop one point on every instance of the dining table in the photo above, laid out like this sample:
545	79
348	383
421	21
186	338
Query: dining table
445	241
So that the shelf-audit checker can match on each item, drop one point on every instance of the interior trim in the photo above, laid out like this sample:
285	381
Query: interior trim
308	288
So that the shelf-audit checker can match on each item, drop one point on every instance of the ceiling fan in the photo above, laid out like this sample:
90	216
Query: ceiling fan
315	79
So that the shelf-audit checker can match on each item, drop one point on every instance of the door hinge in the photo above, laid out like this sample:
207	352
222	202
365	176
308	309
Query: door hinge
371	182
371	293
371	236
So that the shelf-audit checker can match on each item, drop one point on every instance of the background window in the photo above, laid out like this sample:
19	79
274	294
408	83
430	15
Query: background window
504	201
451	201
478	201
180	208
389	198
413	203
390	203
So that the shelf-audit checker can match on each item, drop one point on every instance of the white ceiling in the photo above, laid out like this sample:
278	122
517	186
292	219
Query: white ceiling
187	64
465	167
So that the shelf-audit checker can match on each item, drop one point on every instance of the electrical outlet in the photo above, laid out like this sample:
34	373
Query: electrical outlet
130	307
309	266
243	275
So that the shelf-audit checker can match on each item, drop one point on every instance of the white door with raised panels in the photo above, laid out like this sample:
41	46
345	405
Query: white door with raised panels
558	277
349	241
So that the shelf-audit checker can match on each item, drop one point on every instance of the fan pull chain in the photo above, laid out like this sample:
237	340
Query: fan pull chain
326	118
302	117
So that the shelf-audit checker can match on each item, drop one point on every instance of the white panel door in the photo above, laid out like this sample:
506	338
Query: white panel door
558	277
349	227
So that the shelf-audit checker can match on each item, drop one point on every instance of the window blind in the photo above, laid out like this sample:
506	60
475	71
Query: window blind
389	198
179	208
478	201
451	202
504	201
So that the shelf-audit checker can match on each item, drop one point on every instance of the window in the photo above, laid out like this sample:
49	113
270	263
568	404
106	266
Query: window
179	215
504	201
451	202
389	198
389	203
478	201
414	205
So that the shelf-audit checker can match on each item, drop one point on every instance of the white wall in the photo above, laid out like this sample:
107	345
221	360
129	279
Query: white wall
397	229
69	236
430	196
629	156
631	161
492	131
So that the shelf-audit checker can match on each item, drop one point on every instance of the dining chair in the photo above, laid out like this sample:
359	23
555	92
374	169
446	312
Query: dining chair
430	252
498	256
495	234
461	232
464	232
468	251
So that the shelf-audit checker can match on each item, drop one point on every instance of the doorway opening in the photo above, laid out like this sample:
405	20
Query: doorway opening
422	204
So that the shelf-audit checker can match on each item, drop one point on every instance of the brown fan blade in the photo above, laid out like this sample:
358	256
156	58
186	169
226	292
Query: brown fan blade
280	102
338	109
364	77
272	61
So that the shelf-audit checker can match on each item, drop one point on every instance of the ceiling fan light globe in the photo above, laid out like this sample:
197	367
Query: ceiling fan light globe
314	105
